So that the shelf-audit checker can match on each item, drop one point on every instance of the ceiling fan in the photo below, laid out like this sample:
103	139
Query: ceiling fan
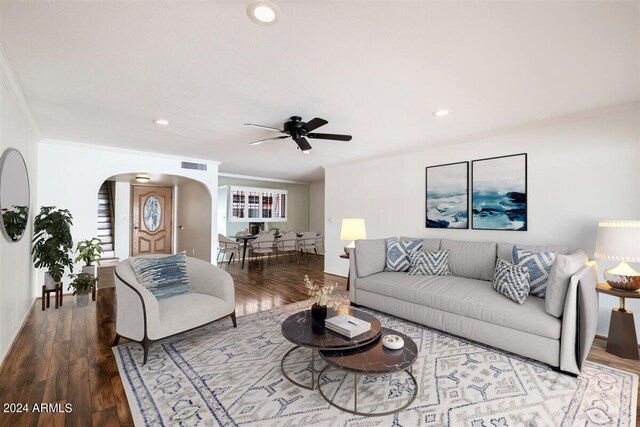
299	131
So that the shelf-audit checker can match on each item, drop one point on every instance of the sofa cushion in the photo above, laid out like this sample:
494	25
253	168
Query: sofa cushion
475	260
371	256
505	250
467	297
435	263
539	265
163	276
511	280
428	245
563	268
398	254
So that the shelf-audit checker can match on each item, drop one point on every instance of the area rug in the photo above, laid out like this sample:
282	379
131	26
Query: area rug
218	375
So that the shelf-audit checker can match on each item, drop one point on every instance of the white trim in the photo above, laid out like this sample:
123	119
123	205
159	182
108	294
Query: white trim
128	151
260	178
14	88
17	332
539	124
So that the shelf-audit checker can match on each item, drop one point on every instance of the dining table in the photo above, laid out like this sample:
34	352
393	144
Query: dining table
245	242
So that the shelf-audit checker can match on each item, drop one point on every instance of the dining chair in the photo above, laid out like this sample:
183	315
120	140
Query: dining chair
320	243
242	233
307	243
261	246
287	245
227	246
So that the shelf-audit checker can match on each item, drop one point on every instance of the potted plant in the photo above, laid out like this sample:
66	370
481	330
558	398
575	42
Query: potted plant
82	284
52	243
89	252
15	221
321	298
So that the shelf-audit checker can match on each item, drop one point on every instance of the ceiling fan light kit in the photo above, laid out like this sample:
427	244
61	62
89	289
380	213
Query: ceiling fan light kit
299	131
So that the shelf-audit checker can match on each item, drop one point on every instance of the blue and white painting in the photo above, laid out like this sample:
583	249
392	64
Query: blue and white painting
448	196
499	199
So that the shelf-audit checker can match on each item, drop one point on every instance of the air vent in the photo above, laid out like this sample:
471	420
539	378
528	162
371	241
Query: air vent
195	166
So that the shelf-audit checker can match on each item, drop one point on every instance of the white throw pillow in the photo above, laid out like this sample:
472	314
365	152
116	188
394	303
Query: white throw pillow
563	268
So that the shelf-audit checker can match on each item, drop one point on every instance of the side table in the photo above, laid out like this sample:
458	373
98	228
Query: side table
622	340
346	256
46	295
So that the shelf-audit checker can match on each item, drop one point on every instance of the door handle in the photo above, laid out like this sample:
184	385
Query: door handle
135	228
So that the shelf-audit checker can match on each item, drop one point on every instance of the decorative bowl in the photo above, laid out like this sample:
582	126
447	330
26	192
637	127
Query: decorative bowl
619	281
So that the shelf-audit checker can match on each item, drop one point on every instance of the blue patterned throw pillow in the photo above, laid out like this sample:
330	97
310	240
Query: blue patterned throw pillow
511	280
539	265
434	263
164	277
398	254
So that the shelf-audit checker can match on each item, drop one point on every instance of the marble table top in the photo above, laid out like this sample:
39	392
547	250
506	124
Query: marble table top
301	329
374	358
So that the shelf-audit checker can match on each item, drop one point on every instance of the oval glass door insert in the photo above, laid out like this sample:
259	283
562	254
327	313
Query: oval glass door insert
152	212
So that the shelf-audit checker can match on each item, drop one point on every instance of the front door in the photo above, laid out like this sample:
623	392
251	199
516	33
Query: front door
152	210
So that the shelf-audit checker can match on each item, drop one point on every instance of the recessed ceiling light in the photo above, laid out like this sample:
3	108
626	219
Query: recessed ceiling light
441	113
161	122
143	178
263	12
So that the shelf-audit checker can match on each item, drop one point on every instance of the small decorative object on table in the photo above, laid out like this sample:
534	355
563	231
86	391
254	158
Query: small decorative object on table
83	284
393	342
620	241
320	296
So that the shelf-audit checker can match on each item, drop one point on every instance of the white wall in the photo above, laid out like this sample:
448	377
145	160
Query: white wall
316	206
297	212
71	174
579	171
17	276
121	213
193	220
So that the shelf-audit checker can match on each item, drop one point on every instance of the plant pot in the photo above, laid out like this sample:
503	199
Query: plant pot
82	300
90	269
49	283
319	312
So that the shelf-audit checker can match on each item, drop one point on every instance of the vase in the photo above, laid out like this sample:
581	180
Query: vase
318	312
82	300
90	269
49	283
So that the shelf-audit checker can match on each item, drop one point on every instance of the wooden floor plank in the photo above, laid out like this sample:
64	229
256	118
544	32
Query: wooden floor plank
65	355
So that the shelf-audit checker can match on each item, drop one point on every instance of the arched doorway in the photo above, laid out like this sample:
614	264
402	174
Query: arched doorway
141	213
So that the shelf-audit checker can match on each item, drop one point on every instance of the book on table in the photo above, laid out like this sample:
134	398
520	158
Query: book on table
347	325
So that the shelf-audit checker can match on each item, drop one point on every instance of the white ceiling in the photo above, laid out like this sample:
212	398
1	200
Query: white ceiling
99	72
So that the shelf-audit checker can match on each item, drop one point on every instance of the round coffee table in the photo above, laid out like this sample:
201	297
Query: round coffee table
372	359
303	331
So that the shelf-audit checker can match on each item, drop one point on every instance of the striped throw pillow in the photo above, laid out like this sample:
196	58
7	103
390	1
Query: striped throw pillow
164	277
511	280
539	265
434	263
398	254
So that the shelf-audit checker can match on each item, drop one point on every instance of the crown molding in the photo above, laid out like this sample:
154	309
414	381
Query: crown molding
261	178
11	82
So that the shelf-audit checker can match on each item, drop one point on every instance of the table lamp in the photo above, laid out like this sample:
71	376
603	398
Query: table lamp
352	229
620	241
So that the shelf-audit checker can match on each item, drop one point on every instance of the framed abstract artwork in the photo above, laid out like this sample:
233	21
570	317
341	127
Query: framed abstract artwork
447	196
499	193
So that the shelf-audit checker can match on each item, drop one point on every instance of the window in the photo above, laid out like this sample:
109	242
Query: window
280	206
267	205
253	204
238	204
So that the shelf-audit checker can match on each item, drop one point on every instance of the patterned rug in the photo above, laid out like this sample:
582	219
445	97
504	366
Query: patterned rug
218	375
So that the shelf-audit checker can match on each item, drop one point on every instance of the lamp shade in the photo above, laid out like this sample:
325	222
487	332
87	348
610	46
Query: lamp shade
353	229
618	241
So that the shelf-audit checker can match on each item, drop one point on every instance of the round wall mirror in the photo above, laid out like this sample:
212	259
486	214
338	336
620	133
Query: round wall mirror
14	194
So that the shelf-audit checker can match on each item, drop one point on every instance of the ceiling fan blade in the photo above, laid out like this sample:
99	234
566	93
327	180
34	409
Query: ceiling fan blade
268	139
263	127
330	136
314	124
303	144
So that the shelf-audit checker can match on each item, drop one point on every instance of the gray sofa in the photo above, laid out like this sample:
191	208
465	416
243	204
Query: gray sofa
558	330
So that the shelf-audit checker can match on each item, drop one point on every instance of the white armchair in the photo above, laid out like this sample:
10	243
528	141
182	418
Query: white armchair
144	319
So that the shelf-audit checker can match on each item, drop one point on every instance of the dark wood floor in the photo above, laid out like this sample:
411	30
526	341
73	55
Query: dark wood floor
64	356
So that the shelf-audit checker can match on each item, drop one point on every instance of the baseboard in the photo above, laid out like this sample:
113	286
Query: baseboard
602	337
334	275
17	332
